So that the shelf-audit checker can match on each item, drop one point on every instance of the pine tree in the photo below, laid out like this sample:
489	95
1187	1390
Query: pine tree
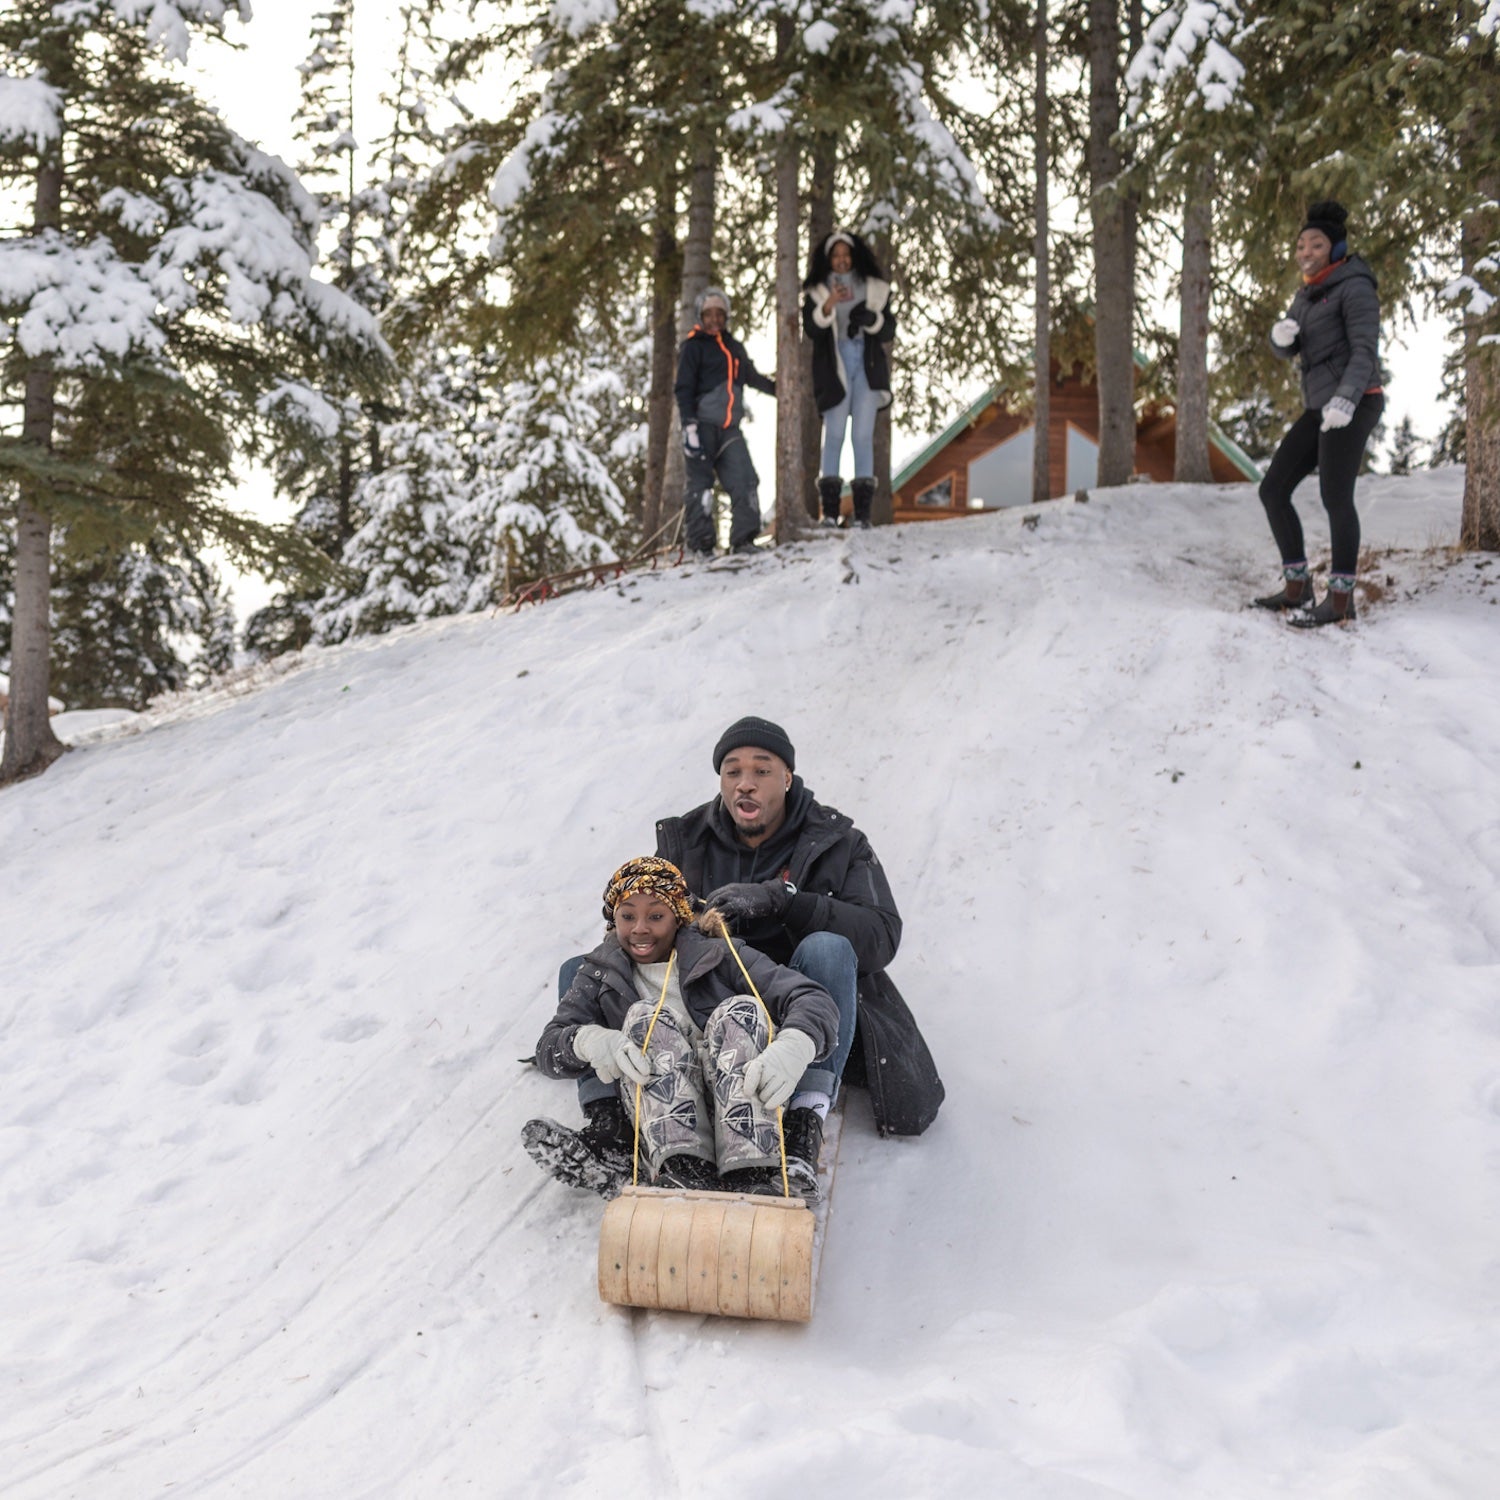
1405	448
203	330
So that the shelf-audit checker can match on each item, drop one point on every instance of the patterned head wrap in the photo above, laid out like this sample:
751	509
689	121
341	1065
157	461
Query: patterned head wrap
648	876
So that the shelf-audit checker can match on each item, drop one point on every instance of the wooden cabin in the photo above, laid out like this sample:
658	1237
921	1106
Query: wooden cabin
982	461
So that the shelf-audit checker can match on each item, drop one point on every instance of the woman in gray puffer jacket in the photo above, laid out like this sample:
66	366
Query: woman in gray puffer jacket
1333	326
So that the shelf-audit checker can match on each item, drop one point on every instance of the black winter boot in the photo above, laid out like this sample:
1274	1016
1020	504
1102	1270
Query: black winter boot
597	1157
688	1172
1296	593
831	497
864	498
803	1131
763	1180
1336	609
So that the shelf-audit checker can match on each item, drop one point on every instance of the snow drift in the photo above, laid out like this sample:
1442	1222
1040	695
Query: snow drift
1202	924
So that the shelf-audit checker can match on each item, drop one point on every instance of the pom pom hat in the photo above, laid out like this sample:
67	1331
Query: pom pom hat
1329	219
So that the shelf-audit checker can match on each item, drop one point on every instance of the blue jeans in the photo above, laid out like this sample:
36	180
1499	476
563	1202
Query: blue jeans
826	959
861	404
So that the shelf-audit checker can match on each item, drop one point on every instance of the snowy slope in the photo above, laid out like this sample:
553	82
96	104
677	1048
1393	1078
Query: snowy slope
1202	923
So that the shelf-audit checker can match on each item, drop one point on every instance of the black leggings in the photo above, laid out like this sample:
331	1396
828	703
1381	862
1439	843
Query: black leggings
1336	455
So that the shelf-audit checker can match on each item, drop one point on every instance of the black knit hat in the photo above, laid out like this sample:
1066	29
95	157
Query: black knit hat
1329	218
761	733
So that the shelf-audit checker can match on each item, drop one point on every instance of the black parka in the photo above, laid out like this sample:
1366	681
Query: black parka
712	373
876	322
840	887
1339	343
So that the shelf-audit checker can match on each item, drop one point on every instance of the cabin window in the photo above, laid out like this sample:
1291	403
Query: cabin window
1003	475
939	496
1083	460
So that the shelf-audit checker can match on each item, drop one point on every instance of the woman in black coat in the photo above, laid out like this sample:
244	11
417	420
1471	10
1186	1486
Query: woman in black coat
1333	326
846	312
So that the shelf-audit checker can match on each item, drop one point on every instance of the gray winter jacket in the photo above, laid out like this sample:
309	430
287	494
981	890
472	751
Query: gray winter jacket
604	989
1340	340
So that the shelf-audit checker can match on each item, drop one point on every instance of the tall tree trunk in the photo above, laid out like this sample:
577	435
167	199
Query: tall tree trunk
1113	290
30	744
1041	465
659	404
790	477
882	508
1480	525
819	226
697	268
1191	465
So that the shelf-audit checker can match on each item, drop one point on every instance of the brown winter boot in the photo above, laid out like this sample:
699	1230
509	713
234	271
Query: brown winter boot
1337	608
1296	593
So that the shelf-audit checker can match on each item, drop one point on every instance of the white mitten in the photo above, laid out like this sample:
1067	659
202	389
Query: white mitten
1337	413
611	1054
773	1076
1286	333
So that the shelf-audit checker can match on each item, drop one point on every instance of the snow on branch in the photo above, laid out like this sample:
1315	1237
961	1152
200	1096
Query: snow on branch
80	306
300	406
578	17
30	111
952	169
512	178
1190	36
168	22
229	228
1489	20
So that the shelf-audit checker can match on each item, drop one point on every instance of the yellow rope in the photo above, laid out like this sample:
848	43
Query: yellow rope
786	1186
635	1166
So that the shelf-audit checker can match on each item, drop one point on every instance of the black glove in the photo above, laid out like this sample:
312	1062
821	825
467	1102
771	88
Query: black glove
754	901
860	317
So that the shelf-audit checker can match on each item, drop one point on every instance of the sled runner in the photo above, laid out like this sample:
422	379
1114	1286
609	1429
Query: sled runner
734	1255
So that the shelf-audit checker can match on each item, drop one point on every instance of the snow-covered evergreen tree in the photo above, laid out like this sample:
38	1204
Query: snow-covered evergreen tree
161	314
129	625
490	481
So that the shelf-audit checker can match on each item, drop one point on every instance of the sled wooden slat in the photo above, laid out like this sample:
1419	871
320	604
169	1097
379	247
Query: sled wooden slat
737	1255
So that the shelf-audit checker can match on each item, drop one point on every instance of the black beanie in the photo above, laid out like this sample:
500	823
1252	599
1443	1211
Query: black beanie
1328	218
761	733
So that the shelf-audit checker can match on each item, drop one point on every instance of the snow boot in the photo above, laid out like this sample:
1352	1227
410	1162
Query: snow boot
1336	609
763	1180
597	1157
831	497
1296	593
803	1132
864	498
688	1172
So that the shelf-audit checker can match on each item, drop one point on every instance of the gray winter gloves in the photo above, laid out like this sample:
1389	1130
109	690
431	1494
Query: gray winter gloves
1285	333
690	444
611	1054
1337	413
753	901
772	1077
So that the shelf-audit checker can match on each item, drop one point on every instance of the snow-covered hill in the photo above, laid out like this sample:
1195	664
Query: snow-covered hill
1202	922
